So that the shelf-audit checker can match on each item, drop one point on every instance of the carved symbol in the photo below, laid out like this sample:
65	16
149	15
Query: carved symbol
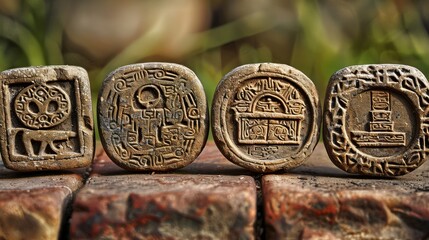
262	151
148	96
42	106
269	112
403	79
156	119
46	137
381	132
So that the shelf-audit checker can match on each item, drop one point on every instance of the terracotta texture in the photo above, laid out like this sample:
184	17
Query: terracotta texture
152	116
376	119
210	161
318	201
33	206
165	207
193	202
266	117
46	118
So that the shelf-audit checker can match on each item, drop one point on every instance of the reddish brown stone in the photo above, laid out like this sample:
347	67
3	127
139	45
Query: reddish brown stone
318	201
179	205
165	207
210	161
34	206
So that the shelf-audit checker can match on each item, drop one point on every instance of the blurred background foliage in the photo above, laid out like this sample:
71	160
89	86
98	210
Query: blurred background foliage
214	36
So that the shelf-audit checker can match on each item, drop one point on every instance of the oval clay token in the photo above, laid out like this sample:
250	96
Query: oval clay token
152	116
376	119
266	117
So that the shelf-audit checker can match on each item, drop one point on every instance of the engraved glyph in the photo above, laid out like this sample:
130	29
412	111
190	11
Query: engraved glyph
42	106
381	133
47	118
58	141
266	117
268	111
155	116
398	151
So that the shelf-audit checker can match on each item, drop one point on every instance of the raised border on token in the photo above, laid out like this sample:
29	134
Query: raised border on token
220	107
405	80
35	108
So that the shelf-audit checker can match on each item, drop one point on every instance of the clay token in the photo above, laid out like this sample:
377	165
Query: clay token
376	119
266	117
152	116
46	118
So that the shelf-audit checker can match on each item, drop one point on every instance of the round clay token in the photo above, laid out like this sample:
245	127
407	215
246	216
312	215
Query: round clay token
152	116
376	119
266	117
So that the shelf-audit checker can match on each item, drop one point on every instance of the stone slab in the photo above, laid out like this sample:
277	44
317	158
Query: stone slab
208	199
319	201
210	161
165	206
36	205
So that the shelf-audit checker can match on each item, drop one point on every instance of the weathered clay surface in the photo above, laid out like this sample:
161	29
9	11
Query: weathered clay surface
165	207
46	118
376	119
318	201
152	116
35	206
266	117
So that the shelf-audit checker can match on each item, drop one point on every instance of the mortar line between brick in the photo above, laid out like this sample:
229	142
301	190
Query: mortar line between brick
259	222
68	209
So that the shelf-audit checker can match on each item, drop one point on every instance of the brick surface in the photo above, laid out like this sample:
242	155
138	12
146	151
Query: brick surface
210	161
191	203
33	206
319	201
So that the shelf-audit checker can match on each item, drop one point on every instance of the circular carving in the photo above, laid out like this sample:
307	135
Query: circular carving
376	119
148	96
42	106
152	116
266	117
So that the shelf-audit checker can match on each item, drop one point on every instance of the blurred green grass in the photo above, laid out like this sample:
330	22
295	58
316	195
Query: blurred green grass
213	37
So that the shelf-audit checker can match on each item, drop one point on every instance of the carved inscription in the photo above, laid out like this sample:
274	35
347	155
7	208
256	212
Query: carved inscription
381	132
268	111
266	117
155	118
380	148
46	118
262	151
40	107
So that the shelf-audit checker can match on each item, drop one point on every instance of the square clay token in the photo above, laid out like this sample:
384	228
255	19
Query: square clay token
376	119
46	118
